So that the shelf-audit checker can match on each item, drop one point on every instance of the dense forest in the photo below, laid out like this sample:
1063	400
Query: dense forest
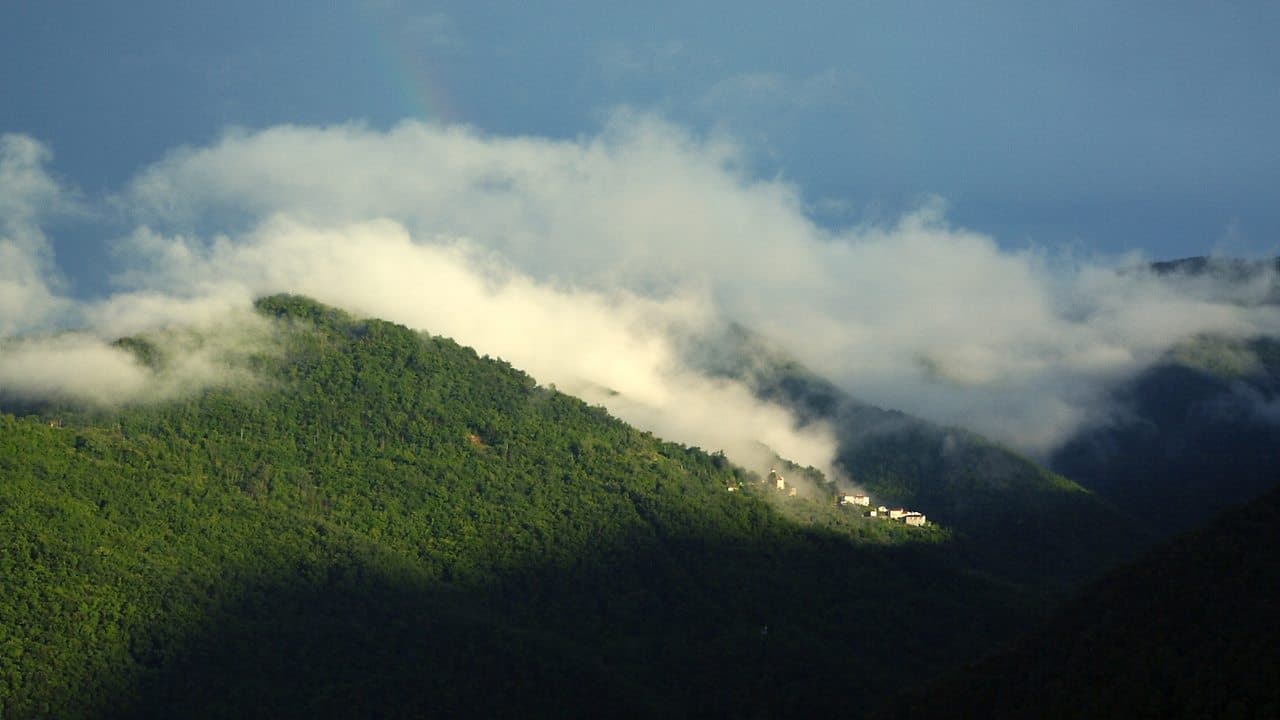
385	524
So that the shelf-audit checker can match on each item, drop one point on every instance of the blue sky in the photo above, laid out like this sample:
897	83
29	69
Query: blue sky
1100	126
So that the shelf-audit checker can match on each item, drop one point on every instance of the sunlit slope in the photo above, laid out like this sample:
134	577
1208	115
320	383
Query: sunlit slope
385	523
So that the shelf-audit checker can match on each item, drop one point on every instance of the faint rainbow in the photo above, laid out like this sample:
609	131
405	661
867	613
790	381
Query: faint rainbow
413	78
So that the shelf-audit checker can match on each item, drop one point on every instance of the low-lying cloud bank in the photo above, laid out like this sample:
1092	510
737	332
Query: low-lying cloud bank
580	261
90	369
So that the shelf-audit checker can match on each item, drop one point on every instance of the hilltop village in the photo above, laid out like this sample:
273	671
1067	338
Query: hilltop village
854	502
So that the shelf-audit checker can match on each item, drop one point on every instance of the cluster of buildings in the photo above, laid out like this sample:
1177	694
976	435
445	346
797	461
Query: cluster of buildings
910	517
907	517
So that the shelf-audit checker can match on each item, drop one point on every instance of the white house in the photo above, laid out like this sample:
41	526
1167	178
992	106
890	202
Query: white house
863	500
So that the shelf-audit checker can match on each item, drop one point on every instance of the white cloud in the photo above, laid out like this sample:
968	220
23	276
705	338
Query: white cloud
577	260
86	368
612	348
28	195
71	367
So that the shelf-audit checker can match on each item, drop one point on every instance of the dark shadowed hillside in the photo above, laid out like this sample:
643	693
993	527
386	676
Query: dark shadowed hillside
1198	433
1189	631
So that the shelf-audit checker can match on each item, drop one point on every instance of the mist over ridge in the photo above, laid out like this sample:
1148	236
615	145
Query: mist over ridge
587	263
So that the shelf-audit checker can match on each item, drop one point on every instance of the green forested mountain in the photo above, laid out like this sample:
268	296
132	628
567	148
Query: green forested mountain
387	525
1188	631
1011	517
